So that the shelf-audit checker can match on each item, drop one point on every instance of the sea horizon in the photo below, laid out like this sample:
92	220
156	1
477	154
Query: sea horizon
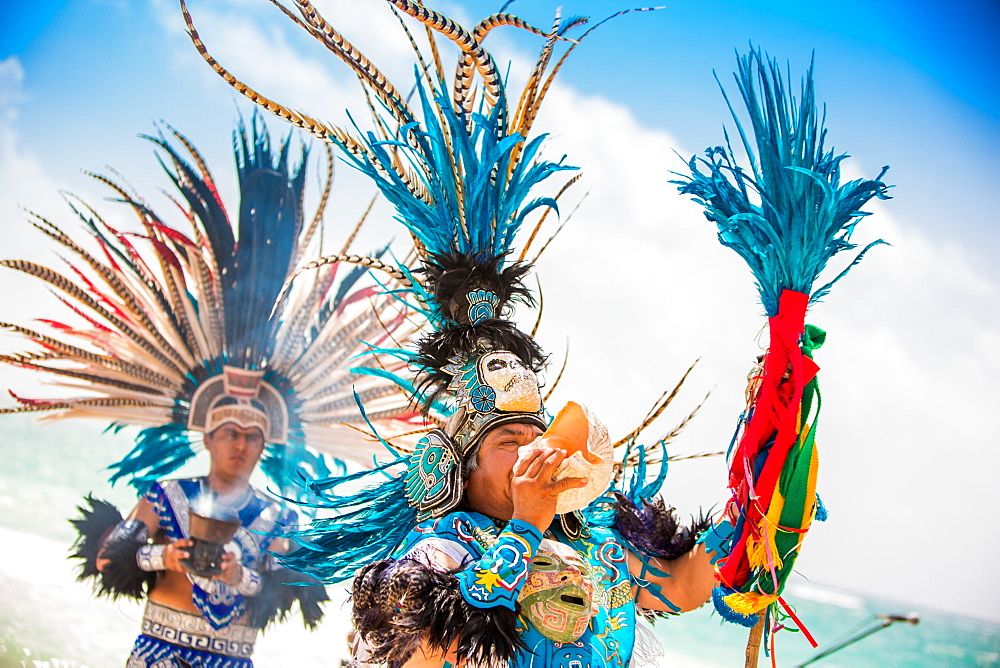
56	622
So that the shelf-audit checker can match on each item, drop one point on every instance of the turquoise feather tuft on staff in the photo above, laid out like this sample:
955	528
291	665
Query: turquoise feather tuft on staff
788	215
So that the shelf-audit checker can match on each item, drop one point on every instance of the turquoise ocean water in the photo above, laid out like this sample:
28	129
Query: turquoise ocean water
49	620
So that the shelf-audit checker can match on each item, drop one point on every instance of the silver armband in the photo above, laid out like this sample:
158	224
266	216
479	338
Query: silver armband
129	530
150	557
250	583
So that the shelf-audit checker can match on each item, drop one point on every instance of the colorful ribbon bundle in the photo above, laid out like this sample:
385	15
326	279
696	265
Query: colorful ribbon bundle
773	469
786	215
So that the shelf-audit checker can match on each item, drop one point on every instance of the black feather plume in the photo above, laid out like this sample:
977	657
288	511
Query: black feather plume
654	529
397	604
280	589
121	575
92	525
452	276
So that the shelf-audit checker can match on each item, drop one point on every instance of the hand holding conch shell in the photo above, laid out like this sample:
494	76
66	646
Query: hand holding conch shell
588	454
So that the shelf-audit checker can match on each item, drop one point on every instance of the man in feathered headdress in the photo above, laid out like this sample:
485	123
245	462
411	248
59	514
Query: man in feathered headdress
489	543
205	603
497	541
511	561
193	333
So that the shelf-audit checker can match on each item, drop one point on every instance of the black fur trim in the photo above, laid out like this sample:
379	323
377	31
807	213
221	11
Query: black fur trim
279	591
122	575
574	525
399	603
653	529
653	616
92	525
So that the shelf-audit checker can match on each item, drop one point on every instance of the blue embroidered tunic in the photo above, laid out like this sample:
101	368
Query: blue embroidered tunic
219	603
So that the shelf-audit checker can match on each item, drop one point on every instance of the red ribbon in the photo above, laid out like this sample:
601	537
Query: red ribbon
775	420
798	622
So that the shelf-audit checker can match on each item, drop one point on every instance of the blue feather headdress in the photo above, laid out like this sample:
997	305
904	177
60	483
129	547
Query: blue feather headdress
460	167
167	312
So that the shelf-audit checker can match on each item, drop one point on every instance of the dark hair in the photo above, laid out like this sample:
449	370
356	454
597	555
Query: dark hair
471	461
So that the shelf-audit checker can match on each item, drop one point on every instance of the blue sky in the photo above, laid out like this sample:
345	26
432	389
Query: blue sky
910	373
874	60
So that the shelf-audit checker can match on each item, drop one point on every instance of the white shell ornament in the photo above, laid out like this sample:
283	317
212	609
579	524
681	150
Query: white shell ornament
585	439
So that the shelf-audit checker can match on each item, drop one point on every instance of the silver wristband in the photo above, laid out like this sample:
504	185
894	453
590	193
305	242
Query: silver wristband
250	583
150	557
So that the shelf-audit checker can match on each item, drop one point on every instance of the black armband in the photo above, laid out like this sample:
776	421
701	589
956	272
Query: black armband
103	534
398	604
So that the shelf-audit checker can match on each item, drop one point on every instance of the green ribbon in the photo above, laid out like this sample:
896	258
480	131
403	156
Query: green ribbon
812	338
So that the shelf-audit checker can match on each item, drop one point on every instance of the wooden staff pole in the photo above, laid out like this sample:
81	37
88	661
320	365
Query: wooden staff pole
753	643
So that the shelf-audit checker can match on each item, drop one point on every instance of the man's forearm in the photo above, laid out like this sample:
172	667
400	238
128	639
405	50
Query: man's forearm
499	575
129	531
127	562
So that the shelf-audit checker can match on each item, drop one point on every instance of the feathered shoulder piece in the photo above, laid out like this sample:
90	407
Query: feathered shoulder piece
175	326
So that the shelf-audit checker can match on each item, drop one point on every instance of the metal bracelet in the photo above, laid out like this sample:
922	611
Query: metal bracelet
150	557
250	583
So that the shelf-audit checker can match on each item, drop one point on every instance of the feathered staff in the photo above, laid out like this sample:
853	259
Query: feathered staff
166	310
787	216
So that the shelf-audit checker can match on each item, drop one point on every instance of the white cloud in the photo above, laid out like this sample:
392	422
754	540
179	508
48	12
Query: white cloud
23	182
22	175
11	88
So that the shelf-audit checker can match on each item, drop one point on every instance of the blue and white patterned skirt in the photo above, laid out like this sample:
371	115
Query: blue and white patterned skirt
174	638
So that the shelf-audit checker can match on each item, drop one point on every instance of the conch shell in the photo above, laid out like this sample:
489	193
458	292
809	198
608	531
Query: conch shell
589	454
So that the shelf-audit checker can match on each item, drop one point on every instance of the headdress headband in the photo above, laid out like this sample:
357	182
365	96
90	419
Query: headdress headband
242	397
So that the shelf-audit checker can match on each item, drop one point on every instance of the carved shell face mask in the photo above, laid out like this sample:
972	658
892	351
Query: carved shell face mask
559	597
515	385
